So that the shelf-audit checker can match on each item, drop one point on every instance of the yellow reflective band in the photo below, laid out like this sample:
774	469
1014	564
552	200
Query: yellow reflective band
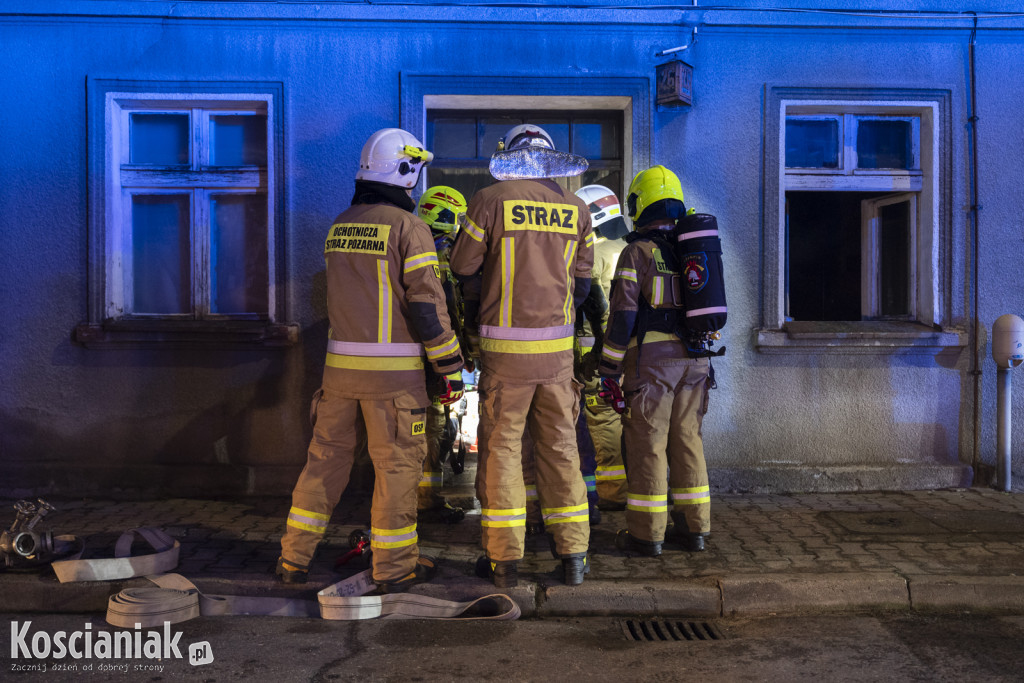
655	336
374	531
612	352
657	293
508	274
336	360
640	496
569	255
473	230
520	346
383	302
441	350
502	524
393	538
509	511
626	274
691	501
307	513
590	239
645	508
696	489
386	545
522	214
306	527
421	261
570	508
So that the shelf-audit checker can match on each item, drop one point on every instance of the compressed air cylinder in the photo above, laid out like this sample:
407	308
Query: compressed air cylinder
699	254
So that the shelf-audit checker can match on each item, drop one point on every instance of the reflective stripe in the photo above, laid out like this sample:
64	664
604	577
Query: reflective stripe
612	352
383	302
508	273
626	274
442	350
336	360
656	336
691	496
471	229
706	311
643	503
420	261
585	343
374	349
610	473
531	493
431	479
570	257
658	294
503	518
695	234
393	538
526	333
591	481
590	240
510	346
566	514
307	521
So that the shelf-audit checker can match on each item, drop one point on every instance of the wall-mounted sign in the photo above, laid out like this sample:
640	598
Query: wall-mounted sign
675	83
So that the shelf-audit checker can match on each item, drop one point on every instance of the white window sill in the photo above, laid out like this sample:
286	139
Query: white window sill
879	337
134	334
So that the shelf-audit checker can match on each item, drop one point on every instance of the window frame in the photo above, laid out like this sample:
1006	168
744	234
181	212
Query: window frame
930	328
113	180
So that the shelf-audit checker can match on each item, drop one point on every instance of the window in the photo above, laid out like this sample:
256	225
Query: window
860	241
189	222
463	141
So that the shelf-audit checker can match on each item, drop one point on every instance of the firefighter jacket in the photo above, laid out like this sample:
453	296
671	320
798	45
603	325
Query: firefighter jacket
386	305
534	244
645	306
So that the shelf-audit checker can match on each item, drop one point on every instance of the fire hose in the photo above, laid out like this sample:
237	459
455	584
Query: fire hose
175	599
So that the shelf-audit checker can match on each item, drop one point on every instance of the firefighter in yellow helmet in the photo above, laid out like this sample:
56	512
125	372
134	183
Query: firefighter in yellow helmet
442	208
532	244
665	385
388	321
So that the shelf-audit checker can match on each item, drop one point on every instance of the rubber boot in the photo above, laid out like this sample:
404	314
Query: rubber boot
627	542
574	569
503	574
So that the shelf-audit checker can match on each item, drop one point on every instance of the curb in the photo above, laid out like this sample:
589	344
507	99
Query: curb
729	596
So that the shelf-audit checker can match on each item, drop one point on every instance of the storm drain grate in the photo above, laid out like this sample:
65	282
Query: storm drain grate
654	631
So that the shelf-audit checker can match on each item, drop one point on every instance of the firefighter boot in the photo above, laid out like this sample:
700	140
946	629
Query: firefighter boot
690	541
503	574
575	568
291	573
424	571
444	512
627	542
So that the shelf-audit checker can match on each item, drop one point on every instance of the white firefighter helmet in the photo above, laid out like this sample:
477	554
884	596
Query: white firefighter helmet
393	156
605	211
527	151
525	135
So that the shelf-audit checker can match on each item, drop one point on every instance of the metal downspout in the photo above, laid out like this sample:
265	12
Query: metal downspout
975	208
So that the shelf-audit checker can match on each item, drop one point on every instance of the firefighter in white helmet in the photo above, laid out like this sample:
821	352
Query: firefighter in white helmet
532	243
442	208
388	321
602	421
665	383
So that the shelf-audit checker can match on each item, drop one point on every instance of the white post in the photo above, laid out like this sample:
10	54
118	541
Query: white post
1004	392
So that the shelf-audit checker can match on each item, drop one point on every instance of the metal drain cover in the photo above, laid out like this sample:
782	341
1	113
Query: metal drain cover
670	630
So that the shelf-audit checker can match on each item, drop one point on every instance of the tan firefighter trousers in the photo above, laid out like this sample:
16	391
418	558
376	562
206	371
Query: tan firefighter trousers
397	444
428	494
605	428
665	407
550	411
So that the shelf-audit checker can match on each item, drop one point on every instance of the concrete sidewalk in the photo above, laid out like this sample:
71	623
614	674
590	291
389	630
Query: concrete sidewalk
950	550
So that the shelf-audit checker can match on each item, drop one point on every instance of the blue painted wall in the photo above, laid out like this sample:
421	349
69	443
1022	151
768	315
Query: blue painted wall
77	419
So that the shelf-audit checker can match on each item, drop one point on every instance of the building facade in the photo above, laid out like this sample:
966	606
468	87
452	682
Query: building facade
171	168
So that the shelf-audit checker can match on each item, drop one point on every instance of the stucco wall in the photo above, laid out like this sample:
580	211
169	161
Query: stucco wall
237	420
